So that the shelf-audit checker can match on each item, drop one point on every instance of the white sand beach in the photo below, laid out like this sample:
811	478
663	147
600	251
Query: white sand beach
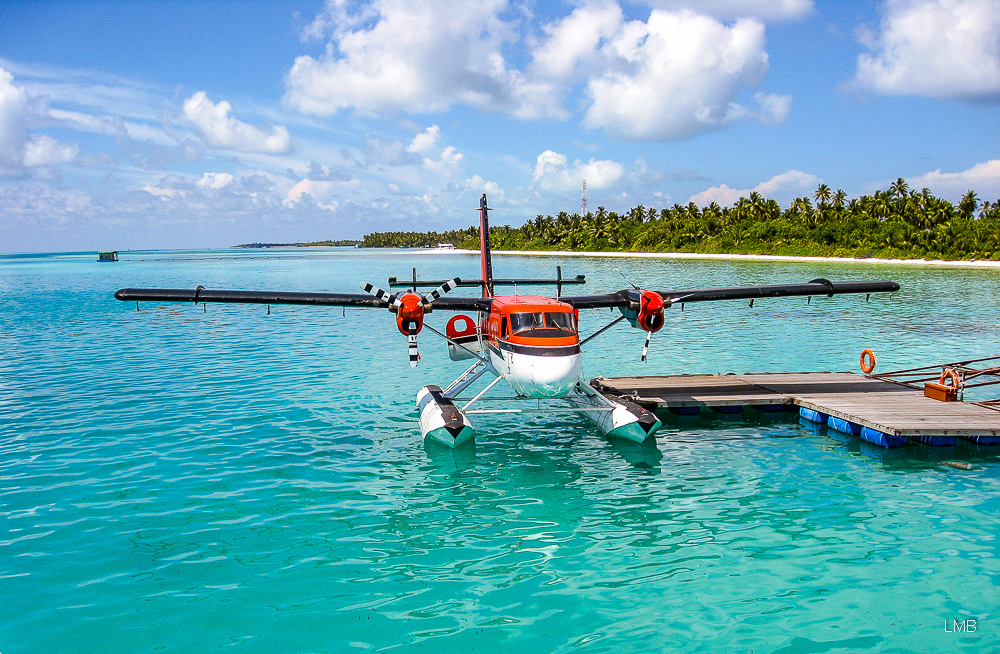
740	257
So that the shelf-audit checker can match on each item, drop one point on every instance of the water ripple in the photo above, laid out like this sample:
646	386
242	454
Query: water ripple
183	479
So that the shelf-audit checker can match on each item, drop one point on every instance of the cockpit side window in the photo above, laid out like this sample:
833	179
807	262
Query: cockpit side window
504	332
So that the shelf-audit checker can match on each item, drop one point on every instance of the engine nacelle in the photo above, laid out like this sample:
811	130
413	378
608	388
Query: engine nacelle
645	312
410	314
650	316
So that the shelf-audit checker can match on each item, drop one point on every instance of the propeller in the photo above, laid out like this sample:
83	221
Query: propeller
379	294
447	287
411	344
409	308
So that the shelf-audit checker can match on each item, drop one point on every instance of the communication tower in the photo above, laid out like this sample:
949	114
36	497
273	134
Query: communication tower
583	201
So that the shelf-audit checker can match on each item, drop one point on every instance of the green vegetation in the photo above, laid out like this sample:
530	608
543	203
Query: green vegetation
897	224
468	238
329	244
343	243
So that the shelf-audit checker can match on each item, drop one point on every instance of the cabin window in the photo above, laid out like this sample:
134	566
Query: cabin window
504	332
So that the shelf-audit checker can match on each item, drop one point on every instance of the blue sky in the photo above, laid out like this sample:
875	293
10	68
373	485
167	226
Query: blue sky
161	124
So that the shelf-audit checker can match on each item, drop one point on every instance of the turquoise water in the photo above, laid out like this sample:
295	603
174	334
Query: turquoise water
180	480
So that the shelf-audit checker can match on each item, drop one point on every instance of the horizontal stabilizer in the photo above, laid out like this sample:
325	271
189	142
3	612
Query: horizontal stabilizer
395	282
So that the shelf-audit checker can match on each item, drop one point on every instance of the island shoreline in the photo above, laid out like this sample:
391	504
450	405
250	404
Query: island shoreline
730	257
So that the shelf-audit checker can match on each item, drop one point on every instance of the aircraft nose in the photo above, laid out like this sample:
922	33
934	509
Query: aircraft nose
553	377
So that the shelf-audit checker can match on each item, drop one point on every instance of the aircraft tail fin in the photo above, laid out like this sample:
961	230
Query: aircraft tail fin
484	243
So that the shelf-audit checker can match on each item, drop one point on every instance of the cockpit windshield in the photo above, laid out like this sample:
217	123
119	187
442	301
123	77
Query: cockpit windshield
543	325
560	321
521	321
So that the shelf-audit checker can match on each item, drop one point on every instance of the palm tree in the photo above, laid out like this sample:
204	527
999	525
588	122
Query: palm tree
822	194
969	203
899	188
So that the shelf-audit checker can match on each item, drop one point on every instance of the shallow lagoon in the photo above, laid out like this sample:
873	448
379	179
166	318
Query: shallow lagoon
176	479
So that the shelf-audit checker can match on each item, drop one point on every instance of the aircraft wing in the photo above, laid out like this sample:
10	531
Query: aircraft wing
626	297
284	297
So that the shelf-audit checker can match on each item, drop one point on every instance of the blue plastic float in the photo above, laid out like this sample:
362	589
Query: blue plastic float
844	426
812	416
875	437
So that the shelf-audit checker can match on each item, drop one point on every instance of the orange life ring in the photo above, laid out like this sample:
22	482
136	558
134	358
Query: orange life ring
949	374
868	361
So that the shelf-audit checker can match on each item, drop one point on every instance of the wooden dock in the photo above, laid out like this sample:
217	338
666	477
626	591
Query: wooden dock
890	408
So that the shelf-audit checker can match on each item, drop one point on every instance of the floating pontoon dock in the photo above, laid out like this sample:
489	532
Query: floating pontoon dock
881	412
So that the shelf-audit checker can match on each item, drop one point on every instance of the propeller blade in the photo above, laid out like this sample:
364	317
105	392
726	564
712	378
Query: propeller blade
645	348
412	346
447	287
380	295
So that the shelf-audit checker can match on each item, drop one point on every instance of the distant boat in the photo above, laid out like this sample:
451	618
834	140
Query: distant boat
107	256
445	246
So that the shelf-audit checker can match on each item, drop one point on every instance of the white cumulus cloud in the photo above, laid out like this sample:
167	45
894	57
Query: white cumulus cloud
674	76
425	144
317	190
18	149
14	109
400	55
572	44
425	141
220	130
554	173
682	76
783	188
680	73
214	180
480	185
983	178
46	151
936	48
446	163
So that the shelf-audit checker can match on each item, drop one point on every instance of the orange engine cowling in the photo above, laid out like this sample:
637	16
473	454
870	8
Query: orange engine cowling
650	316
410	314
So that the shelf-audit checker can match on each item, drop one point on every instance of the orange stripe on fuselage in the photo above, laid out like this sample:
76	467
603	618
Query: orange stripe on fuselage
543	342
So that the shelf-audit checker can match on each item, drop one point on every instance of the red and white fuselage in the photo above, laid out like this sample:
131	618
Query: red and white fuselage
533	343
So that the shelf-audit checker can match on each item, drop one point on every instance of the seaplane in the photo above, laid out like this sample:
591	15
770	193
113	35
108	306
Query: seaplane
531	342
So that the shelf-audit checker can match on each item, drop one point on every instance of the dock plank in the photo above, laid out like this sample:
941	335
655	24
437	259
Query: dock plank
888	407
